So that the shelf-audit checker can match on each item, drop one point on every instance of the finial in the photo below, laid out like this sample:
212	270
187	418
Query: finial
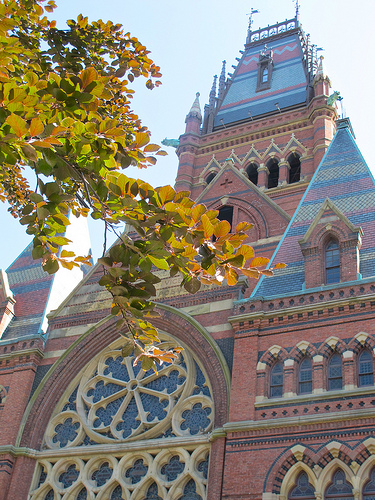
213	90
320	72
222	81
297	9
253	11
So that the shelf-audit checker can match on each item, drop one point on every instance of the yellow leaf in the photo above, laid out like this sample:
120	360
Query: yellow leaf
251	273
197	212
247	251
243	226
267	272
166	194
18	124
280	265
141	139
151	148
259	262
221	229
231	277
208	228
36	127
87	76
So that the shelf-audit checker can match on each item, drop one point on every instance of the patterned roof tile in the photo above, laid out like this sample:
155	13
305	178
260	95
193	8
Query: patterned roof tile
345	179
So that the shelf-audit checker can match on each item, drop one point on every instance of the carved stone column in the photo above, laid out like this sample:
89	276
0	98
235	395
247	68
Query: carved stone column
284	168
262	176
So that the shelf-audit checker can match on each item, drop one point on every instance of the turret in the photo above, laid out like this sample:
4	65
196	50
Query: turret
322	83
194	117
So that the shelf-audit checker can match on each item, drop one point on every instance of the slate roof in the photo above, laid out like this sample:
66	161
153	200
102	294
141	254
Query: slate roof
31	287
344	177
288	84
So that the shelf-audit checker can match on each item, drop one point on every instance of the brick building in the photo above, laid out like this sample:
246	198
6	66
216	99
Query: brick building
273	396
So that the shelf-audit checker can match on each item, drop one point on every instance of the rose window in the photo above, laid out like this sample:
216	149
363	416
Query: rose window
113	400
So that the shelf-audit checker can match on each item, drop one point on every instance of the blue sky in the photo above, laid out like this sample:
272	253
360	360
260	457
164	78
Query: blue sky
189	40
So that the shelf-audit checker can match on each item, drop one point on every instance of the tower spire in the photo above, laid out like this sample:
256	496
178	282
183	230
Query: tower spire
195	110
194	117
213	92
222	82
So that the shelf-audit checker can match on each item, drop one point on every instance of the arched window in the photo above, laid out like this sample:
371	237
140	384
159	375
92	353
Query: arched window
276	380
273	176
226	213
303	489
305	376
365	369
265	75
252	173
335	372
339	489
368	492
332	262
295	168
210	177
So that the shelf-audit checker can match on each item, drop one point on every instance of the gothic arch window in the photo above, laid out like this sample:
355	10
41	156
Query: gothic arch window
210	177
305	376
335	372
295	168
332	262
273	175
365	369
276	380
303	489
252	173
368	492
339	489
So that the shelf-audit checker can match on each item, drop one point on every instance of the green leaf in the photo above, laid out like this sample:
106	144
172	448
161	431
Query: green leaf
51	266
159	263
37	252
193	285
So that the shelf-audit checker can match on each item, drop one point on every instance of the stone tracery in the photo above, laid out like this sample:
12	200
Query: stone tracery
112	401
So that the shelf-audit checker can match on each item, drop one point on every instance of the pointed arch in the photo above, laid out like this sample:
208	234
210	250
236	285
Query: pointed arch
274	353
295	168
252	172
331	345
273	172
326	475
289	478
339	487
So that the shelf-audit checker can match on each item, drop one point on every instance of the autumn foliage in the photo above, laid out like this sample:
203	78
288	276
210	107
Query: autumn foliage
65	115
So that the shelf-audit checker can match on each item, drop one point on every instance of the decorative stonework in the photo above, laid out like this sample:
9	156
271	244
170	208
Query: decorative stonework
135	475
163	416
114	401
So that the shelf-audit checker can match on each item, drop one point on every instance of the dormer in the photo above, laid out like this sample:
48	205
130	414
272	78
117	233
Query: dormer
330	248
265	67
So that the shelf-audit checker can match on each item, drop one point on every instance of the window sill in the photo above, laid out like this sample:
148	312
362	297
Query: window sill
314	397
